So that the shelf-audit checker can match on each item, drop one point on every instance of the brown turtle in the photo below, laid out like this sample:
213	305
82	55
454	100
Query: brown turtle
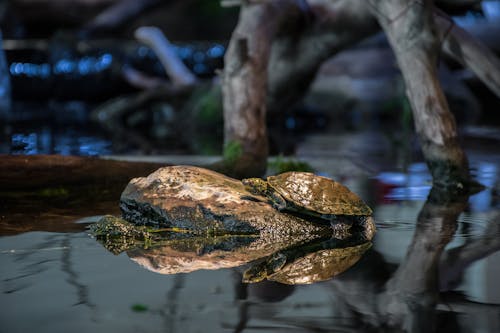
307	193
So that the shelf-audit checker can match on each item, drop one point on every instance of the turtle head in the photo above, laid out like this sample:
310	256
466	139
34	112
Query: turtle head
256	186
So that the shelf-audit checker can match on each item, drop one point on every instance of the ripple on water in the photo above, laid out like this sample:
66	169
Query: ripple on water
396	225
469	226
475	225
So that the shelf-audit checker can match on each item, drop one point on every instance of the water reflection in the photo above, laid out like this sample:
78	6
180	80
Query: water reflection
308	264
66	142
415	296
410	295
446	280
287	260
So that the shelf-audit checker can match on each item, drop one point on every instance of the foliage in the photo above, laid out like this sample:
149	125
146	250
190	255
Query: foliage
208	105
205	122
232	151
281	164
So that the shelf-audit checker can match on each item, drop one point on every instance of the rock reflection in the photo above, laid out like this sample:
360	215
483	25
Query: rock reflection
287	260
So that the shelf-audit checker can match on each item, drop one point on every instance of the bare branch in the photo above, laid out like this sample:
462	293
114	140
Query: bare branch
116	15
175	68
141	80
470	52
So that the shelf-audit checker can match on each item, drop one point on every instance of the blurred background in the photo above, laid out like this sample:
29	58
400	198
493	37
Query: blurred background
64	66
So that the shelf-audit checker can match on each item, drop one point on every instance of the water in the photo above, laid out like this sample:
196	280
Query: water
433	266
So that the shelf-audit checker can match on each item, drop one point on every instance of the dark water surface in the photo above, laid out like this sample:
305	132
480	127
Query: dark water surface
434	266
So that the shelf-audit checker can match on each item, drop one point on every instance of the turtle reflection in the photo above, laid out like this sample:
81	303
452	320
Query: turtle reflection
297	266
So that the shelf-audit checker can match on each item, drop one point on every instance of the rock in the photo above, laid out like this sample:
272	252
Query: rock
118	235
199	200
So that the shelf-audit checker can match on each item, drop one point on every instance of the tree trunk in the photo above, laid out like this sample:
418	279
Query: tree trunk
410	28
244	86
274	54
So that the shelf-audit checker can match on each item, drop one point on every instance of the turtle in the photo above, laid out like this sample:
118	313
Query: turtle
309	194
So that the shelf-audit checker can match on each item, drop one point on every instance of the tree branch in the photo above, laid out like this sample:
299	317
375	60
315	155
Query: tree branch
117	14
471	53
174	67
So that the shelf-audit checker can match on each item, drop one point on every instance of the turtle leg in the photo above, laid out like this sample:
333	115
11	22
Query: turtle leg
251	198
277	201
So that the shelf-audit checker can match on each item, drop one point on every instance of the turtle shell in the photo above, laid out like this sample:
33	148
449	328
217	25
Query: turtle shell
307	192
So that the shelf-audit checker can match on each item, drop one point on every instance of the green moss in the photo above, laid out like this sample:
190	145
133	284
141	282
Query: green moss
281	164
50	192
118	235
204	123
210	107
139	307
232	151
